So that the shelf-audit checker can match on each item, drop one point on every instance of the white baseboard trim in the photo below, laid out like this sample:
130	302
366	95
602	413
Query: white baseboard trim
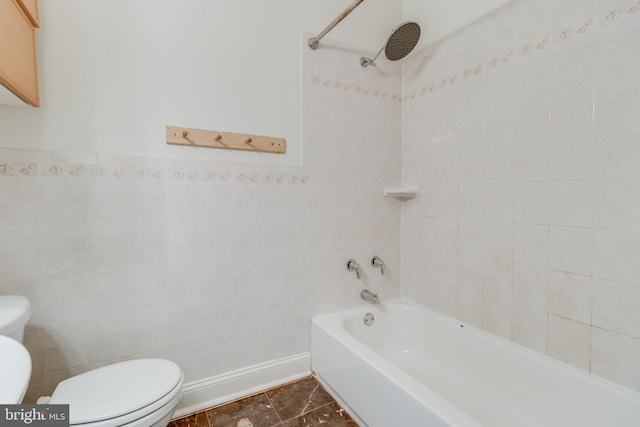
212	391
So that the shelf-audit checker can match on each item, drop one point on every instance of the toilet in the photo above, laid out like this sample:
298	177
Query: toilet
141	393
134	393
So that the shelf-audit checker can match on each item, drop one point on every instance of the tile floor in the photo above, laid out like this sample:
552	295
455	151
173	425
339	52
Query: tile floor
302	403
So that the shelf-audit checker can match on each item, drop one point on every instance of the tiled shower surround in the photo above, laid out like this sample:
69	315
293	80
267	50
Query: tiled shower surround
522	130
216	266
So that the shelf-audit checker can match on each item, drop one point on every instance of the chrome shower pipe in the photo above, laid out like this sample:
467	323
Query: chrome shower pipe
313	41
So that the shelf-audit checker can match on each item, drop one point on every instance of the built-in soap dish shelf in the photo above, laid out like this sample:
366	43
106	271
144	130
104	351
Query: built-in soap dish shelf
401	191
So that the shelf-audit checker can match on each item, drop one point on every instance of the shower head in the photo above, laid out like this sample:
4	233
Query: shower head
399	44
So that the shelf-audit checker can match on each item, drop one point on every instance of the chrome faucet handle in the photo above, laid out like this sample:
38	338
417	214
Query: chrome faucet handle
377	262
352	265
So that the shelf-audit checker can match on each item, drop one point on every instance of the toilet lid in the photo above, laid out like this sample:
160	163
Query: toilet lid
116	390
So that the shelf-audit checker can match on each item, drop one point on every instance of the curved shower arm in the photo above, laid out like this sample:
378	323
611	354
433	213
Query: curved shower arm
313	41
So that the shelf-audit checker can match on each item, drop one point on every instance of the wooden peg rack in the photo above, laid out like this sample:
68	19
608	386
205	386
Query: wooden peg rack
216	139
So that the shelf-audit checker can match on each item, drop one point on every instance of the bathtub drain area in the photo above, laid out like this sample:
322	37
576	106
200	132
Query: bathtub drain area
369	318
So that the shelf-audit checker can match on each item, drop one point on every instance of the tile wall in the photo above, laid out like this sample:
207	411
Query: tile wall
216	266
523	131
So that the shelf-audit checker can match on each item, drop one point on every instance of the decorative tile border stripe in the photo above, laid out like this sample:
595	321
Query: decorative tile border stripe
522	52
18	169
15	169
356	89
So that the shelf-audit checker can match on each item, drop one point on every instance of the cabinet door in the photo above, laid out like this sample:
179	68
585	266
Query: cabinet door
18	70
31	7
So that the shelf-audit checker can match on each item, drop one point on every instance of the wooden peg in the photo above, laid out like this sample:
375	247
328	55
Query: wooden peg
248	141
218	138
185	133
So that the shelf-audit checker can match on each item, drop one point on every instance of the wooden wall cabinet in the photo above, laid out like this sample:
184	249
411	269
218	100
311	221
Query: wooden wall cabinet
18	65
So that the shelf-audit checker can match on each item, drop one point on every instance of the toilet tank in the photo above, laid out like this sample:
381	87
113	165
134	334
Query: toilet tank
15	312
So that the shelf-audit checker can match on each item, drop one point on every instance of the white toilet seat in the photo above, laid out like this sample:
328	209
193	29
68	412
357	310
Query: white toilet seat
136	392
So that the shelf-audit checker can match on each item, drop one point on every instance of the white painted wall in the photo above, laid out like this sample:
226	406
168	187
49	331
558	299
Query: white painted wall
113	73
439	18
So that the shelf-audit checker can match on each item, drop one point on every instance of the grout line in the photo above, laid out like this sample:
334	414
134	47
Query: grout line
274	407
309	399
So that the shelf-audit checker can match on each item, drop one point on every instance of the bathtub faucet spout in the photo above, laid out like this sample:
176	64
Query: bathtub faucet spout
369	297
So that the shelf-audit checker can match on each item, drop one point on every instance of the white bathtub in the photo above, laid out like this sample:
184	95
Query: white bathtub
414	367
